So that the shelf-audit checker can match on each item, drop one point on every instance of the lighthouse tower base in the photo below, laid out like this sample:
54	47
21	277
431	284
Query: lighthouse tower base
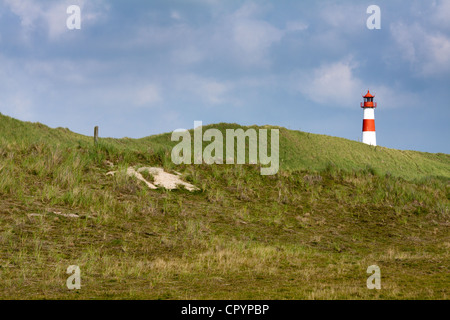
369	137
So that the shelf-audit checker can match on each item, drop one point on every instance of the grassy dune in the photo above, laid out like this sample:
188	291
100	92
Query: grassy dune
310	232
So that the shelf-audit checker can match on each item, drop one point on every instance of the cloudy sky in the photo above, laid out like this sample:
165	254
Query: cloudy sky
138	68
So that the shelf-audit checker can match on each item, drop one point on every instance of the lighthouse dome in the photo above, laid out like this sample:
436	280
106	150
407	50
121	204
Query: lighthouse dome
368	95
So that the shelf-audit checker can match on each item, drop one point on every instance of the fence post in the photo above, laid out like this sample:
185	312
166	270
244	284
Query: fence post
96	135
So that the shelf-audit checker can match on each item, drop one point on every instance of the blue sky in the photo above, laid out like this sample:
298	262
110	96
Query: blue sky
138	68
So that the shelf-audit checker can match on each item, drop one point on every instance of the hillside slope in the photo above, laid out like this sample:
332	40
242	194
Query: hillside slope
308	232
298	150
308	151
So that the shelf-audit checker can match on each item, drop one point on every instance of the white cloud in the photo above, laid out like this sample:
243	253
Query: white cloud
293	26
118	95
428	52
147	95
253	40
18	105
338	26
335	85
175	15
251	37
56	20
441	14
405	41
59	70
53	15
332	84
17	91
158	36
209	90
28	11
187	55
347	18
242	37
438	56
394	97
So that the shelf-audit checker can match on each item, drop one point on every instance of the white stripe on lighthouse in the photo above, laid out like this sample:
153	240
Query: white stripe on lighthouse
369	113
369	137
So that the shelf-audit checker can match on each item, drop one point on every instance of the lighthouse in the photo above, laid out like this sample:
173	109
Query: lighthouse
368	135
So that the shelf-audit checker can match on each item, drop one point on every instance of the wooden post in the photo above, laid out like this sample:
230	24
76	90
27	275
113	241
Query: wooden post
96	135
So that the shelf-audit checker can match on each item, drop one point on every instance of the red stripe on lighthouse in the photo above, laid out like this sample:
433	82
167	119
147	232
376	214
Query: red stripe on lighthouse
369	125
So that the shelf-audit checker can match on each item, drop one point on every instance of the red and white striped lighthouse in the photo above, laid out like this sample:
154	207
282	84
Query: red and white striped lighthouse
368	135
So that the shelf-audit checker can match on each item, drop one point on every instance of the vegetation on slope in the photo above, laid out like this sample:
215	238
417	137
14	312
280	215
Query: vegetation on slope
309	232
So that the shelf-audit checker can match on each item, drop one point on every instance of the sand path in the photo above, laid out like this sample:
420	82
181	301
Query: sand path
161	178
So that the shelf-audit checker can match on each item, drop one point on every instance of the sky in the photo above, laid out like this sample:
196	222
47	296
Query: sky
138	68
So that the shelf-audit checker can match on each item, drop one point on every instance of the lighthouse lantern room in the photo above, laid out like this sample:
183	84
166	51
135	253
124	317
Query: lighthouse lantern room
369	135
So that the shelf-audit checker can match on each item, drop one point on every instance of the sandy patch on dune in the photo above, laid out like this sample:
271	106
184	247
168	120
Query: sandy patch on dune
67	215
161	178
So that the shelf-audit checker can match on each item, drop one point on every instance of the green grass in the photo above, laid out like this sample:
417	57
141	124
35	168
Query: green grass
309	232
314	152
